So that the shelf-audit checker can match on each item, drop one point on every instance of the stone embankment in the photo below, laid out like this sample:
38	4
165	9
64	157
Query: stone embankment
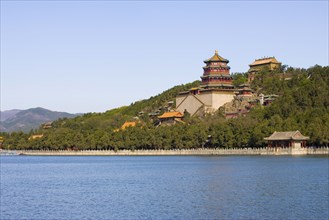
187	152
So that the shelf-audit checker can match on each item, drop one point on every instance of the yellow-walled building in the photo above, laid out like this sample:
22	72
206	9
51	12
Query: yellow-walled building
269	63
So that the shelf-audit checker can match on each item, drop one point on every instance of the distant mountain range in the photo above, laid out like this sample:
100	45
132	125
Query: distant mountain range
25	120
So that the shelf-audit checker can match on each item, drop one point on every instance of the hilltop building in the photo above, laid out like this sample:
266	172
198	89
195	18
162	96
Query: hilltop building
292	139
47	125
266	100
269	63
244	90
215	90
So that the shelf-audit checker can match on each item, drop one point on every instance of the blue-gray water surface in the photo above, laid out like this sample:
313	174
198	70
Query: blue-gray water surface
164	187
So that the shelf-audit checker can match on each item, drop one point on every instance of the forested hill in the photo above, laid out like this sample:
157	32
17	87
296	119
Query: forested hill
303	104
114	118
158	101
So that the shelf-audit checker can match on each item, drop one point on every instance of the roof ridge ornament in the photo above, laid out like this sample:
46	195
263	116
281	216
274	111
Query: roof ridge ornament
216	52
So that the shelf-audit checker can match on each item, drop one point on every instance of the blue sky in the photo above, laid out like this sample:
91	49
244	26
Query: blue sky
91	56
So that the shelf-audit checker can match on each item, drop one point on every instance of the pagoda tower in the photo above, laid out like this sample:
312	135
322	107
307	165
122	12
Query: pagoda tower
215	90
216	73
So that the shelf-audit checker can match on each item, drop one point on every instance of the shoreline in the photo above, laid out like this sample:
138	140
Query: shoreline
177	152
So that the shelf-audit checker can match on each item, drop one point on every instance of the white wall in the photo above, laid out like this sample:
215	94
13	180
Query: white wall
209	101
220	99
189	102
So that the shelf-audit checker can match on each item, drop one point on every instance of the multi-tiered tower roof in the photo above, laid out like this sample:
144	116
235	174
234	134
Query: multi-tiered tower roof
215	90
216	73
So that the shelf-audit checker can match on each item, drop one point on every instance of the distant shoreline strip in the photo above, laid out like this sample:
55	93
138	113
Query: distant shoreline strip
182	152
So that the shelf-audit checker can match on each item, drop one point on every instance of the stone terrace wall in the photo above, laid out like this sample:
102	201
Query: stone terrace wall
187	152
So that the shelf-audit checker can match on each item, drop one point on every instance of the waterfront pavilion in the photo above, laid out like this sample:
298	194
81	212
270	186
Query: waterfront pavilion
291	139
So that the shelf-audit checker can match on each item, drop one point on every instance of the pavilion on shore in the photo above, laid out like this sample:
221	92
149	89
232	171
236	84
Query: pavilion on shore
291	139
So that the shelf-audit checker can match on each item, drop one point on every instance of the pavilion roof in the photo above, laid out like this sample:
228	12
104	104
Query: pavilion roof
287	135
128	124
216	57
194	88
266	60
35	136
171	115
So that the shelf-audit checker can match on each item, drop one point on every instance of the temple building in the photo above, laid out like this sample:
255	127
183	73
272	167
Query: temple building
215	90
291	139
47	125
269	63
244	90
170	118
267	99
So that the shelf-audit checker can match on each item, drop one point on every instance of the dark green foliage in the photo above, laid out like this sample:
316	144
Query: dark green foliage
239	78
302	104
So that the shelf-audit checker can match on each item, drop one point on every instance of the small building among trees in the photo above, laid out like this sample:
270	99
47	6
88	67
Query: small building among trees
244	90
170	118
47	125
35	136
269	63
287	139
126	125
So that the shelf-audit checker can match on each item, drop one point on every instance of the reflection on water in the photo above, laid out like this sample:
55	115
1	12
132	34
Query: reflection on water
178	187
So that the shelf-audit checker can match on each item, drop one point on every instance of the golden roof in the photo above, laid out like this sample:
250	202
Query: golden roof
194	88
128	124
216	57
35	136
266	60
171	115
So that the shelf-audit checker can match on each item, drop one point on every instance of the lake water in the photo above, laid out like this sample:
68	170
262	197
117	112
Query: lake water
164	187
